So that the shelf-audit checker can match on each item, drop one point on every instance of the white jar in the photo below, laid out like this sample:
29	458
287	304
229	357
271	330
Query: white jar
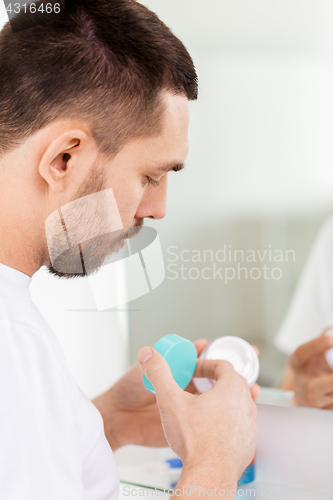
238	352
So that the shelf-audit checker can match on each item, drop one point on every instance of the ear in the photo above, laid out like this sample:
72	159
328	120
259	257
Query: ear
67	159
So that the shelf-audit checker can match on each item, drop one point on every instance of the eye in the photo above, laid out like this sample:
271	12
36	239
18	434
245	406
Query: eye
152	182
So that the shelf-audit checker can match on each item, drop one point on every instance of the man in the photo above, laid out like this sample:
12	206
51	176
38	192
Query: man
95	99
310	315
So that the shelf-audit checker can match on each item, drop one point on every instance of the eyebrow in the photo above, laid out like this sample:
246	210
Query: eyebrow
175	167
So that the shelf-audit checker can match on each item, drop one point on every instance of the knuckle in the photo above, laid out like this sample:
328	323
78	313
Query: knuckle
227	365
204	367
223	367
215	368
157	369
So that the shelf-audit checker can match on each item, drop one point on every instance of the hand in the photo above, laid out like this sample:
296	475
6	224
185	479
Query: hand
310	375
130	412
213	433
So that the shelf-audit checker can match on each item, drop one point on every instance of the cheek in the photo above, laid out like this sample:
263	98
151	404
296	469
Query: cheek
128	202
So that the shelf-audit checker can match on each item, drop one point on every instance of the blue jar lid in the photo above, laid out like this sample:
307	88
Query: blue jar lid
181	356
174	463
249	475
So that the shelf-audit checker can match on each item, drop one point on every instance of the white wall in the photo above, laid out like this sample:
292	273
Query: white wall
3	14
261	133
255	26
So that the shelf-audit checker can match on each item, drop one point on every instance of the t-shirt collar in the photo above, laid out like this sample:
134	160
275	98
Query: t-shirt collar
16	276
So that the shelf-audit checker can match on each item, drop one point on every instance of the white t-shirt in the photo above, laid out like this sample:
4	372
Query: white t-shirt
52	441
311	310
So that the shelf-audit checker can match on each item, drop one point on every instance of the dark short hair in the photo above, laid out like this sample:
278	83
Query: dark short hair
103	61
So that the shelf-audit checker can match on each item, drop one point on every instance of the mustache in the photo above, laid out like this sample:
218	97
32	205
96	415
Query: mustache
128	232
131	231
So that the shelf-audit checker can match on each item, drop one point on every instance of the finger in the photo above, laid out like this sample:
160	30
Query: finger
330	405
317	392
322	386
200	345
328	331
306	351
323	401
212	368
255	390
256	350
326	402
158	372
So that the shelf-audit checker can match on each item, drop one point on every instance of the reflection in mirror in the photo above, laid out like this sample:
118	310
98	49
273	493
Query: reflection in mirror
244	216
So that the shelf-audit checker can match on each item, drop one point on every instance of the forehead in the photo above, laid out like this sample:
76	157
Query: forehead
170	147
177	114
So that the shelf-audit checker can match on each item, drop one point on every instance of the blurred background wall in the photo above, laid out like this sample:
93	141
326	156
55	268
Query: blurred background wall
259	176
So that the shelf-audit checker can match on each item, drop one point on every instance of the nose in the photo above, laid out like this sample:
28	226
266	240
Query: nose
154	201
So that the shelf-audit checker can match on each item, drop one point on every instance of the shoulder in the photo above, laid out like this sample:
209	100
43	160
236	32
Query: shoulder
32	374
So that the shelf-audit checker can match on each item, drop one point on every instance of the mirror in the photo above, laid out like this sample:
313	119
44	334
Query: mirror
245	212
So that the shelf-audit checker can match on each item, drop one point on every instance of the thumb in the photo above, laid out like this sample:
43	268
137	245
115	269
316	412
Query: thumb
305	352
158	372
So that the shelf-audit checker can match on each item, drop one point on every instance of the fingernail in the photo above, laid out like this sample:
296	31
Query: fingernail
328	341
144	354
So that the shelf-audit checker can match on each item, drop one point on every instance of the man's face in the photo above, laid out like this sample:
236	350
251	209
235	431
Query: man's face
138	177
138	174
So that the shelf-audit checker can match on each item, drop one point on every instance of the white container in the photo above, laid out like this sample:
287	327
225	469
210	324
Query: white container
238	352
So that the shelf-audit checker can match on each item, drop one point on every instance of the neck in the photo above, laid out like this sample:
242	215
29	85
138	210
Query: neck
17	252
21	241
